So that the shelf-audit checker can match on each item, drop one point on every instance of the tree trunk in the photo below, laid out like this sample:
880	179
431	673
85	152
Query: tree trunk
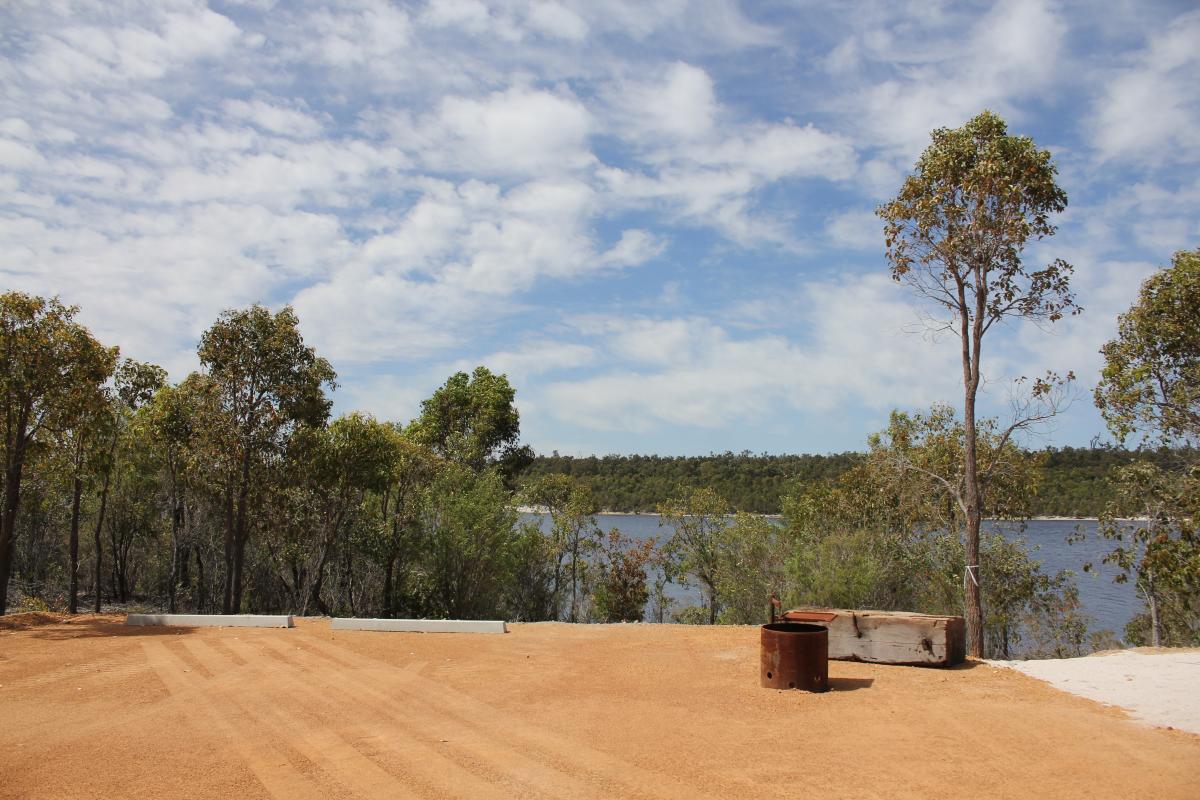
386	609
240	534
174	558
574	578
971	332
200	587
7	552
12	501
971	577
96	538
227	601
239	558
1152	607
176	520
76	495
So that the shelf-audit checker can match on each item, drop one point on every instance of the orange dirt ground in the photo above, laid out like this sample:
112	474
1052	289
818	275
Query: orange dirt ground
90	708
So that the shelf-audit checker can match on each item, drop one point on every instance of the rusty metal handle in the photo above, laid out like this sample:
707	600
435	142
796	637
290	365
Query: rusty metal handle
809	616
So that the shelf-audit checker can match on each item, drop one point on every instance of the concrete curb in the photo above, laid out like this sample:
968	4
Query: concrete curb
419	625
213	620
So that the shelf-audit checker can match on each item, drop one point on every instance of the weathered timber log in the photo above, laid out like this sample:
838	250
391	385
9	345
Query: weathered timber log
889	637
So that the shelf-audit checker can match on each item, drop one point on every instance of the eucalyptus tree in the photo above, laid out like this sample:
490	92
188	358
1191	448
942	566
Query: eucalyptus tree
1151	384
754	551
265	382
133	385
165	425
473	420
401	502
573	532
955	235
468	543
1151	376
82	449
51	370
326	476
693	551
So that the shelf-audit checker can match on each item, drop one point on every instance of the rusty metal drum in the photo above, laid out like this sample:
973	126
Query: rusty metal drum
795	655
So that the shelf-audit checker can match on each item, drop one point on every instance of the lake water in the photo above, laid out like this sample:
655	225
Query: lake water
1110	605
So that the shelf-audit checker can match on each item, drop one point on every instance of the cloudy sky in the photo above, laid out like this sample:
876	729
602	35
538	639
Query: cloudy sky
656	218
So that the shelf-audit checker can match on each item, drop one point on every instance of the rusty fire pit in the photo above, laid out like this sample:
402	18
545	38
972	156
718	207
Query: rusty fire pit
795	655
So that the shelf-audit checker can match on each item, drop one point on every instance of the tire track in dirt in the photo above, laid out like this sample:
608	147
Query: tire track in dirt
273	769
615	775
62	673
490	768
131	665
314	740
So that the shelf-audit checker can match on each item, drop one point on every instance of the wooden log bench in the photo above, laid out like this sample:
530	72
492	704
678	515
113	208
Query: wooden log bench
889	637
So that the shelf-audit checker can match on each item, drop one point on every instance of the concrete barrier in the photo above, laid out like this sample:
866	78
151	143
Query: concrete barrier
213	620
419	625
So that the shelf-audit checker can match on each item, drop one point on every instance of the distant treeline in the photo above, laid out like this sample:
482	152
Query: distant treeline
1074	484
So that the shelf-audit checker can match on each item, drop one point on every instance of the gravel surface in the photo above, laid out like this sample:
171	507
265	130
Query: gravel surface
1156	686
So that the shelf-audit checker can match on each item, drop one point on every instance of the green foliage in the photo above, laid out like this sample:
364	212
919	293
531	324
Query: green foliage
1026	608
753	483
1072	481
52	373
962	219
850	569
535	582
1151	382
468	543
750	568
573	533
1152	525
692	615
472	419
920	456
267	379
261	382
692	553
1151	376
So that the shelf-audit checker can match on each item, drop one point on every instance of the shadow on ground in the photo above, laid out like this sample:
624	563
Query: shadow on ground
56	627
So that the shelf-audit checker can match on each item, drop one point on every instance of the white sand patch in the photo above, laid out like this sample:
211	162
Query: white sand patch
1156	687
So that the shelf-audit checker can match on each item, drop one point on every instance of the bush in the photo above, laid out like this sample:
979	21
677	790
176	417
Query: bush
621	593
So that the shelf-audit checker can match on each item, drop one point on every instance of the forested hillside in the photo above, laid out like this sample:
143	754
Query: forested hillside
1074	481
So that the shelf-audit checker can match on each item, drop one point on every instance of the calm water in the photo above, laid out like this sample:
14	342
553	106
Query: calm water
1111	605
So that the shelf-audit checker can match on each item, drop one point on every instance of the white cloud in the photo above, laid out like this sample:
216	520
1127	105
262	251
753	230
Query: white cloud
469	15
943	76
856	230
681	104
554	19
532	358
96	54
517	131
274	118
386	397
860	351
1150	111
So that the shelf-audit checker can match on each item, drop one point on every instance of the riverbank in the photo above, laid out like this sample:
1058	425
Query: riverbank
548	710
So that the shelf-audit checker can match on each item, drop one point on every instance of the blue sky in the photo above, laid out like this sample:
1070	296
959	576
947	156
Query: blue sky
656	218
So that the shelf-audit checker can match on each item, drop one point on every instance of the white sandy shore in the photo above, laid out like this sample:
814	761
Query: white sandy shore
1156	686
